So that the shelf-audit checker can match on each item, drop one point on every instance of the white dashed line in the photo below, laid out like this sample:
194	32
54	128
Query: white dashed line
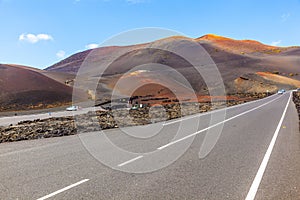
217	124
181	139
129	161
62	190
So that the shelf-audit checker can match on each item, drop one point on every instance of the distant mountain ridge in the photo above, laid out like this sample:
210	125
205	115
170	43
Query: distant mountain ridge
246	66
235	59
239	46
210	42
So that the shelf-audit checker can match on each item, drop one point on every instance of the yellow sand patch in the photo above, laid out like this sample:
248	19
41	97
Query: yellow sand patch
279	79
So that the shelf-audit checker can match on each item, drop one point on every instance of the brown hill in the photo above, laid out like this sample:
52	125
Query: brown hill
222	50
262	82
234	59
24	88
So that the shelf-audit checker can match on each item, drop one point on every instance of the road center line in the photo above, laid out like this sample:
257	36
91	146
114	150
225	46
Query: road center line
254	187
213	111
217	124
129	161
62	190
188	136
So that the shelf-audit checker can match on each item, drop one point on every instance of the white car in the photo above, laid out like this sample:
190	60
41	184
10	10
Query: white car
72	108
281	91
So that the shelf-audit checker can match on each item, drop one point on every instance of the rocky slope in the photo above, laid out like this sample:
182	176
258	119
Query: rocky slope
235	59
296	99
63	126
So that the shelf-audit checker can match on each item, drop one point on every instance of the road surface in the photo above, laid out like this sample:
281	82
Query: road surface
257	156
6	121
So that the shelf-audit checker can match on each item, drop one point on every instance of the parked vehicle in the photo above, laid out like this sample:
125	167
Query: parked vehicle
72	108
134	107
281	91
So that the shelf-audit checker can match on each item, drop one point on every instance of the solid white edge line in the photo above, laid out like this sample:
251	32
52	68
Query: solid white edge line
188	136
62	190
256	182
129	161
217	124
213	111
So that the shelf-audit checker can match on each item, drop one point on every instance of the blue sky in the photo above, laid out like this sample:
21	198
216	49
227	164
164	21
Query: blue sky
40	33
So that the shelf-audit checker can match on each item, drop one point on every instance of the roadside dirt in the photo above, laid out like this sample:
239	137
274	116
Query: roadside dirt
296	99
101	120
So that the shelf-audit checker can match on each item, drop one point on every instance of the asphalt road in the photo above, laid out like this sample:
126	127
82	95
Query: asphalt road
255	156
6	121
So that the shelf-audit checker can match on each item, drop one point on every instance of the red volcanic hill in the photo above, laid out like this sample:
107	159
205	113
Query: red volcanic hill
244	65
238	62
223	50
24	88
239	46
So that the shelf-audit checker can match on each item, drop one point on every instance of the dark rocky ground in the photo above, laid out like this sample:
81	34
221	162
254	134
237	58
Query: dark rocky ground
101	120
296	99
27	130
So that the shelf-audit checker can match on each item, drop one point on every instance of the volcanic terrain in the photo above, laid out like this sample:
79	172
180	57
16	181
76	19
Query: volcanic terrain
155	72
23	88
246	66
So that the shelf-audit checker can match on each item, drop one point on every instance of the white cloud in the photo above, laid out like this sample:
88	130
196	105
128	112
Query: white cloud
92	46
60	54
34	38
285	17
276	43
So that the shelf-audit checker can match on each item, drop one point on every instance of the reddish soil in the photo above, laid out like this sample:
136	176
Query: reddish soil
239	46
238	62
24	88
